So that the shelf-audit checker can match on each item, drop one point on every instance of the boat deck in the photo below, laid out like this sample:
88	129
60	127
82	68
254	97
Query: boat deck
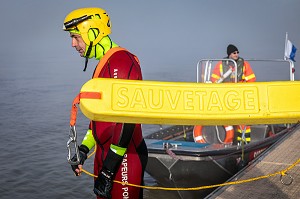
276	159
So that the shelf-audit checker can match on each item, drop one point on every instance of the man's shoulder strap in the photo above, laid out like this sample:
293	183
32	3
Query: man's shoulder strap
105	58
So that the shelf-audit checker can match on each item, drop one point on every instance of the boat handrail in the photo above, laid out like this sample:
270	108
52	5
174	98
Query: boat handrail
208	67
209	63
291	64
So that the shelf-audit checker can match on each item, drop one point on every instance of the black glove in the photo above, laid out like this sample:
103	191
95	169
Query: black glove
83	151
103	184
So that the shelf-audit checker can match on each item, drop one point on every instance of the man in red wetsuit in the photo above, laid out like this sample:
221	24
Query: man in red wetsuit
121	152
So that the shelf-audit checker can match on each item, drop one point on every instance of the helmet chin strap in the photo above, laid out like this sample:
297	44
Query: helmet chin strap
87	55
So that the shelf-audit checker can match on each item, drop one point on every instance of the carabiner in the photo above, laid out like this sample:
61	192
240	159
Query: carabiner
73	140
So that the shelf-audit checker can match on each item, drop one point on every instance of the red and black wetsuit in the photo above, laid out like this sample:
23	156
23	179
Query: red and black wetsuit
121	64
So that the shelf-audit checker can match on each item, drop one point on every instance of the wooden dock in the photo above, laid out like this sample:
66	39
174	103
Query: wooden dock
279	157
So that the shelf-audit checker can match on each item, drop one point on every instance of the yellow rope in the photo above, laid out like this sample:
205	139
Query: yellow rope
282	172
95	148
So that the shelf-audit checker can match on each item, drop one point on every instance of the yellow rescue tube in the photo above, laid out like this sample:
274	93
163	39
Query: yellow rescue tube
153	102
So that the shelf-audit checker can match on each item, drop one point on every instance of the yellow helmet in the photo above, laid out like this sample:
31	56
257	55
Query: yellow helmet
82	20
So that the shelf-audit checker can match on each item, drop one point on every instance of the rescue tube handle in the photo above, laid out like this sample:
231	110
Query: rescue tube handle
76	101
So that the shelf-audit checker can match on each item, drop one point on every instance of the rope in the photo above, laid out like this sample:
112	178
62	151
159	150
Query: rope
282	173
90	155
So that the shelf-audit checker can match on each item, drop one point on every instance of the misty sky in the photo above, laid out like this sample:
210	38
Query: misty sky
165	35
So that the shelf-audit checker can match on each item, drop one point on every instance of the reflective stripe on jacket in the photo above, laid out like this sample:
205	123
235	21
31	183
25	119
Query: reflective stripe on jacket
247	73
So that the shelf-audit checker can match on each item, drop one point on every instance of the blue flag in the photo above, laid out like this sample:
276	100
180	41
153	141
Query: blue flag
290	51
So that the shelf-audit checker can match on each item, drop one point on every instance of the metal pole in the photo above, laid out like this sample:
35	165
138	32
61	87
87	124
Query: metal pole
285	46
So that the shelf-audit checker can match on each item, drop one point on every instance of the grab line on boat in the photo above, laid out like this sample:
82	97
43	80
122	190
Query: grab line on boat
282	173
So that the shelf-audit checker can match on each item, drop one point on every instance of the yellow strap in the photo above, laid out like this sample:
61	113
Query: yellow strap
153	102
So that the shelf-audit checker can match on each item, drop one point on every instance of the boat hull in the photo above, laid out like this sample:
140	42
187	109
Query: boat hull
185	164
190	173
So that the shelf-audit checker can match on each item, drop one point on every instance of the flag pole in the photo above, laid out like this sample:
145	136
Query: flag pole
285	45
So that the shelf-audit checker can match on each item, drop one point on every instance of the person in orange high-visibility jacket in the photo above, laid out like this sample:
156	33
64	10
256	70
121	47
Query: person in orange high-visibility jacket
121	152
244	74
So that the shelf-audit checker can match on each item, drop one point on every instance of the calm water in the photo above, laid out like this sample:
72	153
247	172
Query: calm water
36	97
